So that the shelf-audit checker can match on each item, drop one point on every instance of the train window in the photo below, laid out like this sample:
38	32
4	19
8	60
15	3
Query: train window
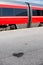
20	12
36	12
7	12
41	12
0	11
13	12
3	12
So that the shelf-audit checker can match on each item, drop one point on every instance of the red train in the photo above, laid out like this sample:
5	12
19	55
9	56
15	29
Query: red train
18	14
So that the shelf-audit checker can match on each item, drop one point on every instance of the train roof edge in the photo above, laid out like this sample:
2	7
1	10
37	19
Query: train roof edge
21	2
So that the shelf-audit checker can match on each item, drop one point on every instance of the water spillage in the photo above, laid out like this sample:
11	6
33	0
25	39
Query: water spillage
18	54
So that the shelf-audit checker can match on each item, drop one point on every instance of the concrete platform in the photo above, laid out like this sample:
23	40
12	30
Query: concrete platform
21	47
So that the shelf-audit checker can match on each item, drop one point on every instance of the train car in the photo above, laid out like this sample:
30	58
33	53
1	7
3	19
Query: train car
37	13
16	14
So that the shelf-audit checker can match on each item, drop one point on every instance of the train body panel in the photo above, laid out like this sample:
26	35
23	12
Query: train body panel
14	20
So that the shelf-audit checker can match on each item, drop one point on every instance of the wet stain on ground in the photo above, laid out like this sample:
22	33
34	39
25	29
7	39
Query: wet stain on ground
18	54
26	43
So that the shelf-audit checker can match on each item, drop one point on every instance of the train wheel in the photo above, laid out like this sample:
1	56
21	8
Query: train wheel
7	28
13	26
41	23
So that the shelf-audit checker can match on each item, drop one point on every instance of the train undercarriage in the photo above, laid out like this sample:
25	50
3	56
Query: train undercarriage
7	27
14	26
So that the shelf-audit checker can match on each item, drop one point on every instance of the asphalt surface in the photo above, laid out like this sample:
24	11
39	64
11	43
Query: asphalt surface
21	47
